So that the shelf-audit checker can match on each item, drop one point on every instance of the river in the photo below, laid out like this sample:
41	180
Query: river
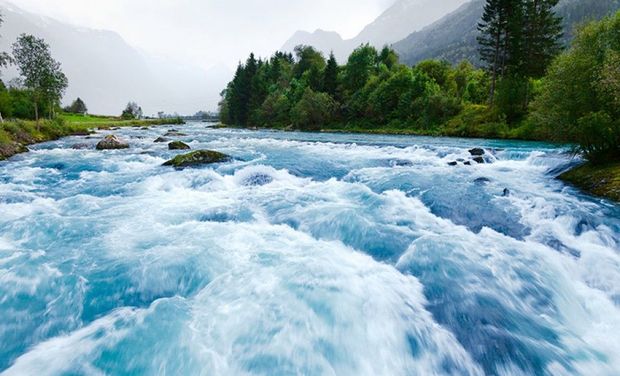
313	254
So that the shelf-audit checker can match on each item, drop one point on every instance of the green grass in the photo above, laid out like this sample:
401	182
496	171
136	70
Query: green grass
97	121
16	135
601	180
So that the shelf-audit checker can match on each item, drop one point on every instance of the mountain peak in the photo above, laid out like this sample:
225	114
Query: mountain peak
394	24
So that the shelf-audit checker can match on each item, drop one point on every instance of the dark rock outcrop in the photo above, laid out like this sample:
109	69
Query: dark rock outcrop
477	152
161	139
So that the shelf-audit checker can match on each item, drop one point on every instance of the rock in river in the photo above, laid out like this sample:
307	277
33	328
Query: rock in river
197	158
111	142
80	146
178	145
161	139
477	152
174	133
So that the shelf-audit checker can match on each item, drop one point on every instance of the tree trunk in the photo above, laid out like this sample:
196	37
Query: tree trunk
1	118
36	115
495	67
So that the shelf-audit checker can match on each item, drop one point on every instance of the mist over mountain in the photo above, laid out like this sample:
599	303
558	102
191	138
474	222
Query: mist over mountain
106	72
453	37
397	22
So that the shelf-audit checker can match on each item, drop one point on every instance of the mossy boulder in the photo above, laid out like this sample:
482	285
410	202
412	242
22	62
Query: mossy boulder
178	145
112	142
197	158
600	180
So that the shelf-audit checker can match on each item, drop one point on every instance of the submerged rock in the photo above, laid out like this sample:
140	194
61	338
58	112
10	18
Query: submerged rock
112	142
454	163
478	160
161	139
482	180
178	145
477	152
506	192
80	146
197	158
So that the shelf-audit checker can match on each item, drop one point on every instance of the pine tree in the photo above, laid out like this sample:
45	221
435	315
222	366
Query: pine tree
543	30
330	76
492	40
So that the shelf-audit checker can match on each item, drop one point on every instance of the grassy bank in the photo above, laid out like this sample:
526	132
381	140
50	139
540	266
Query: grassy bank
95	121
603	180
15	136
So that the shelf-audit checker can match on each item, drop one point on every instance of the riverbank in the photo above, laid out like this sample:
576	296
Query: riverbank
601	180
15	136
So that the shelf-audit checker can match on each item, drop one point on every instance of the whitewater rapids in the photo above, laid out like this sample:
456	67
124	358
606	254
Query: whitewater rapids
310	254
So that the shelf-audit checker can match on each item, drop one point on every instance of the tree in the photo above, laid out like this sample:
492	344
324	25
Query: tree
77	107
5	60
388	57
308	59
42	74
330	76
492	30
132	111
579	98
313	111
543	30
360	66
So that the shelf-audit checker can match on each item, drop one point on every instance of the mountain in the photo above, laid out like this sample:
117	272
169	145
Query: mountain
398	21
106	72
453	38
403	18
326	41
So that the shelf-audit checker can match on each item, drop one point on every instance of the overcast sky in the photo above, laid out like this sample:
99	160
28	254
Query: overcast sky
208	32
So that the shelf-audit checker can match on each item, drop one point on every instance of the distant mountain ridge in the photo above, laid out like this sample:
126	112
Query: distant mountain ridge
453	38
106	72
398	21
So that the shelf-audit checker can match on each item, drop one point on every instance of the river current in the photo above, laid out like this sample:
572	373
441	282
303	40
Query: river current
310	254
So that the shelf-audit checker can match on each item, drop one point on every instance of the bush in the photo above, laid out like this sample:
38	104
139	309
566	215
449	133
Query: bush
599	137
313	111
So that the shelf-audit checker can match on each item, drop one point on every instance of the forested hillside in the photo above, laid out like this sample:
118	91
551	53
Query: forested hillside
453	38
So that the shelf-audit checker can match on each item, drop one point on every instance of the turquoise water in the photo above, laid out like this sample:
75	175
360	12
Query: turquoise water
314	254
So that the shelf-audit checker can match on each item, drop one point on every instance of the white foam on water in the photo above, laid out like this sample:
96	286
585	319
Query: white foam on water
258	259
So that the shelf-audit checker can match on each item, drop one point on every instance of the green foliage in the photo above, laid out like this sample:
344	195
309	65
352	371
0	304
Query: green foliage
361	65
77	107
42	75
517	41
313	110
372	90
578	98
510	97
330	76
